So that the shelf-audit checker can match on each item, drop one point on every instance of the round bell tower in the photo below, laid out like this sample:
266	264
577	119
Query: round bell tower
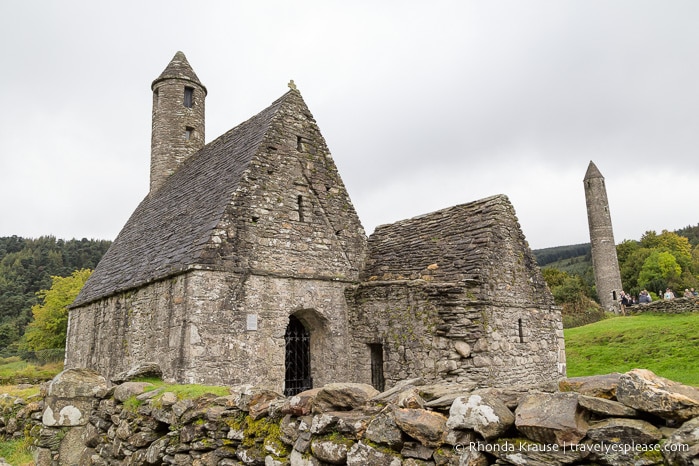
178	119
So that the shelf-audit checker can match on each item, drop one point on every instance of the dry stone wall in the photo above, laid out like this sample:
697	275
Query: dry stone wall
619	419
667	306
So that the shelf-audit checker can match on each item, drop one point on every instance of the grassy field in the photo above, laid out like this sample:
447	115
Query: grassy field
17	452
13	370
666	344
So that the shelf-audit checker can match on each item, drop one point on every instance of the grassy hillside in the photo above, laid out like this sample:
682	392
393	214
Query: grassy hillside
666	344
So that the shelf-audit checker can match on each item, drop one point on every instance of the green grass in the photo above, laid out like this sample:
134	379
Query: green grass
17	452
665	344
14	370
189	391
19	392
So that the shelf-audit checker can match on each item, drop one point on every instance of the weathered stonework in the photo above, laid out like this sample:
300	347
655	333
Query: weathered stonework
256	231
178	119
450	299
605	263
353	424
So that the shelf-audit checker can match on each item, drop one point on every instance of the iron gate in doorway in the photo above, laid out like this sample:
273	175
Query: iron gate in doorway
297	358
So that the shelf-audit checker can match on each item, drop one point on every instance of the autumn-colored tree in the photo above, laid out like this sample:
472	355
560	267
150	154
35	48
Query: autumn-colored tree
50	324
659	271
658	261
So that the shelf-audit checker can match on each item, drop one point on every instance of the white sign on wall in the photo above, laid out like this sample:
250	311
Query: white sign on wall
251	322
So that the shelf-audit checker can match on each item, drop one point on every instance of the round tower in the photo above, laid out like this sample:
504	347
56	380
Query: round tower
604	259
178	119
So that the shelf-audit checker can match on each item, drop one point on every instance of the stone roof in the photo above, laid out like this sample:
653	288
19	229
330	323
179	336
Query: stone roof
592	172
160	239
178	68
451	245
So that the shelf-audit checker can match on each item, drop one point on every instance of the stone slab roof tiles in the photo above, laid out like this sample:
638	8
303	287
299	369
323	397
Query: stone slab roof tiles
160	239
451	245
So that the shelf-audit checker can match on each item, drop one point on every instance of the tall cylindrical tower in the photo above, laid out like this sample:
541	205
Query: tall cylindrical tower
178	119
604	259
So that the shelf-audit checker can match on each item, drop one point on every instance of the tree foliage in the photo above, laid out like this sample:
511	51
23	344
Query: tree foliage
657	262
660	270
26	266
574	296
691	233
48	329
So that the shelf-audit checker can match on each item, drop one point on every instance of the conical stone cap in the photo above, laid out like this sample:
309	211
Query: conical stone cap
179	68
592	172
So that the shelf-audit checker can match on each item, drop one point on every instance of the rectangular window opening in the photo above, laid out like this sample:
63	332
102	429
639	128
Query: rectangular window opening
377	379
188	96
299	201
521	331
300	146
188	133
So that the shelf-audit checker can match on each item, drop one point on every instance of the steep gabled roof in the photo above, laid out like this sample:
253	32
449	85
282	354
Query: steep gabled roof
168	231
453	244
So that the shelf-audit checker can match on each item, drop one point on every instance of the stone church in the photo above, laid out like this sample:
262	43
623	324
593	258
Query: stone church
247	263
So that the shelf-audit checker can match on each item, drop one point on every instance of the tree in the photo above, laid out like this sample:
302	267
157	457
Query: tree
26	266
659	271
643	266
678	246
573	295
50	324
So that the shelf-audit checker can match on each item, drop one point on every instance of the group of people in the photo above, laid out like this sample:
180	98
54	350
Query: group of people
626	299
688	293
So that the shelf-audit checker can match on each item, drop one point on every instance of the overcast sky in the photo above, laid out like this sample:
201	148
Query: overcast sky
423	104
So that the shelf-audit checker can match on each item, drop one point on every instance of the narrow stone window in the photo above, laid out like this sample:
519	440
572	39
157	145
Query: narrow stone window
188	132
300	144
299	202
377	379
521	331
188	96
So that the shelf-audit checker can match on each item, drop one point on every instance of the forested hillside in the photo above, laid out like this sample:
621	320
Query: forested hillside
26	267
548	256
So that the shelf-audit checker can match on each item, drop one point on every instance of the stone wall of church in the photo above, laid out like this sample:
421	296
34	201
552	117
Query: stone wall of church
213	328
443	332
114	334
235	331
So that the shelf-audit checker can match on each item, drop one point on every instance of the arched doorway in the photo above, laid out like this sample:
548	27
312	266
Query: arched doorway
297	358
